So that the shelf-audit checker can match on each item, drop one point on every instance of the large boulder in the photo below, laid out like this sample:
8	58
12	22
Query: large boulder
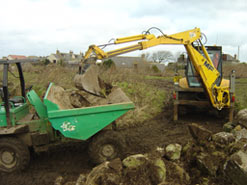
223	139
134	161
60	97
239	134
241	117
103	175
206	164
236	167
199	133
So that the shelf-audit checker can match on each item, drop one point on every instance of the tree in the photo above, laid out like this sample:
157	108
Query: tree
146	56
162	56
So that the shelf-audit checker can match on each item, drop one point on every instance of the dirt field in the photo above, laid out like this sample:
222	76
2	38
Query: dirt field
71	161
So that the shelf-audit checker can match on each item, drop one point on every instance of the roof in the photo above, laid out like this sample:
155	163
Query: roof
122	61
17	56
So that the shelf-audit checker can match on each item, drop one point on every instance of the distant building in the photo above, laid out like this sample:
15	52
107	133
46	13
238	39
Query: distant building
15	57
134	63
230	59
65	57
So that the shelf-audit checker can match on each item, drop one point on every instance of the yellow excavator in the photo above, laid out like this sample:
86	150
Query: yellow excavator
203	72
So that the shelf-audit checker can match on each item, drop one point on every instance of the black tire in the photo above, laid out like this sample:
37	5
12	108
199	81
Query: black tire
106	146
14	154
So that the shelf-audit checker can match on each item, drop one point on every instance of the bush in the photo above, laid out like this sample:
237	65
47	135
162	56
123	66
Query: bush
155	69
108	64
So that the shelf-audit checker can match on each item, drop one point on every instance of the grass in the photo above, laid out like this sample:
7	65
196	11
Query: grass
142	88
241	93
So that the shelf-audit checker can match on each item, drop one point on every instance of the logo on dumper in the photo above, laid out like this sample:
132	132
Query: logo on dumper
67	126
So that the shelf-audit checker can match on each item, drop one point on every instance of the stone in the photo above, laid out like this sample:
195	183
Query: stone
59	180
241	117
134	161
160	169
77	100
206	164
81	180
236	167
199	133
117	96
238	128
240	134
104	175
223	139
173	151
183	175
116	164
60	97
227	127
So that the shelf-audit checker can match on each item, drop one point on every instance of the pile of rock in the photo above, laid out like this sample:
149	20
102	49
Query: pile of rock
208	158
77	98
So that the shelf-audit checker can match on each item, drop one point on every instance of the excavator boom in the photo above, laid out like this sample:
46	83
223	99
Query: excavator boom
219	96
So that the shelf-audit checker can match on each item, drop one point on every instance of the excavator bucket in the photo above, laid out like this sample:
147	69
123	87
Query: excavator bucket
89	80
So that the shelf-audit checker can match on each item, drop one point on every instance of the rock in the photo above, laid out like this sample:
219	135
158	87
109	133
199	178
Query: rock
78	101
183	175
240	134
81	180
70	183
91	99
173	151
236	168
222	139
116	164
134	161
241	117
239	145
199	133
206	164
227	127
103	175
59	181
238	128
160	151
117	96
176	174
60	97
144	169
160	169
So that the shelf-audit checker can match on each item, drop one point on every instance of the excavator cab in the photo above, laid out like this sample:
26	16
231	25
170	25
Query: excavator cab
215	53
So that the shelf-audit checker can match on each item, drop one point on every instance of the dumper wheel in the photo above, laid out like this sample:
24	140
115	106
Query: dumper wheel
106	146
14	155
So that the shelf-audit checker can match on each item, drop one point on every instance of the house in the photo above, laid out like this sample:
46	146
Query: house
129	62
134	63
69	58
16	57
230	59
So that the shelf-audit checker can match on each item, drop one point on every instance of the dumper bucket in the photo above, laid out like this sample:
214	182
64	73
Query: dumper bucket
82	123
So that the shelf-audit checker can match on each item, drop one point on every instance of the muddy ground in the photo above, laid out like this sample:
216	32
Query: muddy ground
71	161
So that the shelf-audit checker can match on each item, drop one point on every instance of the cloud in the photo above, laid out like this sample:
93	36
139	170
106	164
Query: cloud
39	27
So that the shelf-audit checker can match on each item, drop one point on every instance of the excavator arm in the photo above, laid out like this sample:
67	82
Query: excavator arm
219	96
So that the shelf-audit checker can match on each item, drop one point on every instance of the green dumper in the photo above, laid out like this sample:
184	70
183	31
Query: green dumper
20	130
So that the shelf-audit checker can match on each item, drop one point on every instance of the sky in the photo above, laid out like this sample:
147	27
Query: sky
40	27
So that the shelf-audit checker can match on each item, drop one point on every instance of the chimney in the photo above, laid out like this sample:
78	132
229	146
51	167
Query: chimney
70	52
57	52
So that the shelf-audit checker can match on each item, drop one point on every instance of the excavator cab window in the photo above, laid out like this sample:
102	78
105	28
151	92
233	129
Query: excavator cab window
215	53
